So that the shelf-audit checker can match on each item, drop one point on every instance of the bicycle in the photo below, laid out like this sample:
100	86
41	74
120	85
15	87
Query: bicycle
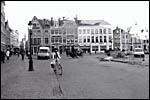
57	68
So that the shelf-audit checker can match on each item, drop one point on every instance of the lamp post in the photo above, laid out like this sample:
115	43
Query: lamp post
30	56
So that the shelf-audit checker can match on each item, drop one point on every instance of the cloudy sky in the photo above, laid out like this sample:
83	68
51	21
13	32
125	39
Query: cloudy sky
117	13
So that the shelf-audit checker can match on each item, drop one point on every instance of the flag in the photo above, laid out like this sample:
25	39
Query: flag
142	30
129	28
146	29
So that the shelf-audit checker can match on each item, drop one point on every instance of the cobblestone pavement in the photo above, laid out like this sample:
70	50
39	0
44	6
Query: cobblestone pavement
88	78
18	83
83	78
129	60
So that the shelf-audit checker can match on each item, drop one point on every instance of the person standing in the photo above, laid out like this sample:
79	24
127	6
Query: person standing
3	56
7	54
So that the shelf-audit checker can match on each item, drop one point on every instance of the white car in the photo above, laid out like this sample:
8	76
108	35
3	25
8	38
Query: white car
44	52
138	52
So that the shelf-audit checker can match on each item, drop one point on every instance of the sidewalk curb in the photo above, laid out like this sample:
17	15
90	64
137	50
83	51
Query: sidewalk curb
130	62
119	61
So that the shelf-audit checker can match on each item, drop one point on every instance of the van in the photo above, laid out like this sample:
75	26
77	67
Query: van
44	52
138	52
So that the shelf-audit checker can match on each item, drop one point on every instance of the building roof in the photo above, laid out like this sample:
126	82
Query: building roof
44	22
93	22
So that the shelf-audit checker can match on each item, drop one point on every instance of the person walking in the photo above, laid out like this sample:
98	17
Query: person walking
7	54
67	52
22	54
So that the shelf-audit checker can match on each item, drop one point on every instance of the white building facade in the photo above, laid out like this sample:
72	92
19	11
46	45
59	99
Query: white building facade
95	38
3	30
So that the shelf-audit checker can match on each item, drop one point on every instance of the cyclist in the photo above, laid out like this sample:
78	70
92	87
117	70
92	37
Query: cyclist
56	56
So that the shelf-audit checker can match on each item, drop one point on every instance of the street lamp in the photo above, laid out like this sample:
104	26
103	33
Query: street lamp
30	56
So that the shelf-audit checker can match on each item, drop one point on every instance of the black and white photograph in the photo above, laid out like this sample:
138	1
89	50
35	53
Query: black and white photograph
74	50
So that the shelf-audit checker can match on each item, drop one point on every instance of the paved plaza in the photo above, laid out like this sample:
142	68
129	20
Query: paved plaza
83	78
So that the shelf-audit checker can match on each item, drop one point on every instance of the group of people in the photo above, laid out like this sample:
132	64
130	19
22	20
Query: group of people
8	53
74	53
5	54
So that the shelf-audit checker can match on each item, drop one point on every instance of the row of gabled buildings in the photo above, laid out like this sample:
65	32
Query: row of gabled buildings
88	35
9	37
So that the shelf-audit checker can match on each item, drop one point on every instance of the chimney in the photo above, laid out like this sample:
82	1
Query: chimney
52	22
59	21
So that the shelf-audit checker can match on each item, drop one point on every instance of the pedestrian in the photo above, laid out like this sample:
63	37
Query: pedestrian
67	52
76	51
18	53
95	51
90	52
7	54
3	56
143	57
22	54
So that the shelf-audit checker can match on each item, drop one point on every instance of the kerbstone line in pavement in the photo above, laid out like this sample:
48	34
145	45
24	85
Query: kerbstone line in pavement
29	84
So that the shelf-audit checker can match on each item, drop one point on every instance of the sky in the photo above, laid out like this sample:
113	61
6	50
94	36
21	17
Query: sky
118	13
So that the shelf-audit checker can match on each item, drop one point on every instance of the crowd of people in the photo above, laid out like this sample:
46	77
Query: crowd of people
74	53
6	54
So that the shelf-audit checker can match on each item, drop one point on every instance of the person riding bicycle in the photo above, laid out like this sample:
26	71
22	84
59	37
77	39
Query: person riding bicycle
56	56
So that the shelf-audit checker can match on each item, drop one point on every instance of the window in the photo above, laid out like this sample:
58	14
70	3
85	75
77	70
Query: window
39	41
94	48
80	39
101	39
64	32
68	40
84	31
34	24
92	39
76	40
52	31
92	31
80	31
43	51
39	31
103	48
60	39
88	31
56	31
88	39
46	31
126	36
72	40
96	31
109	31
64	40
100	31
96	39
46	40
34	40
84	39
60	31
52	39
123	36
35	49
104	31
56	39
110	39
105	39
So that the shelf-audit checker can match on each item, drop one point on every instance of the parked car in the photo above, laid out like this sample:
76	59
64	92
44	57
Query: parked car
44	52
138	52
